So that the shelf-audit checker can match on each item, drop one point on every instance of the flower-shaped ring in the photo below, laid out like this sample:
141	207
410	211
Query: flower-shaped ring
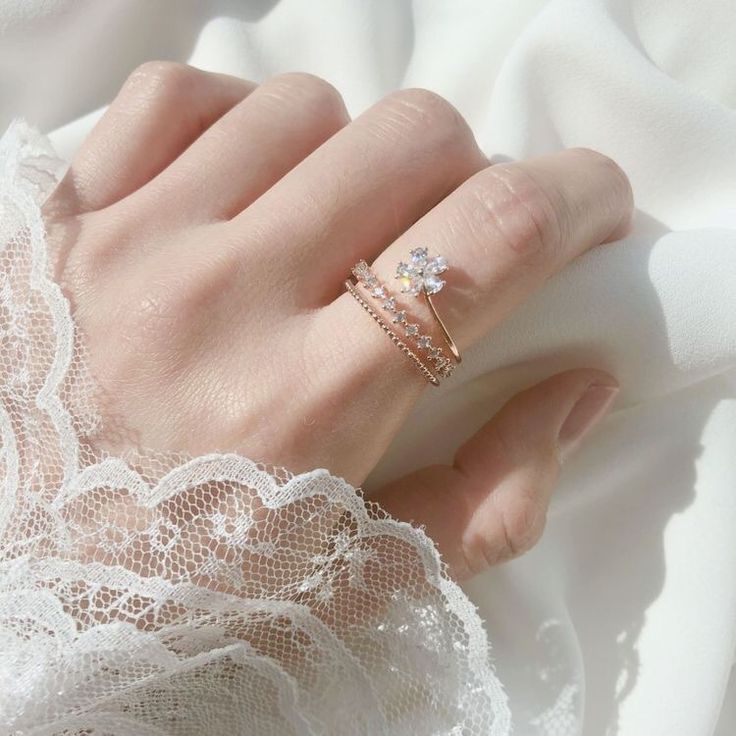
422	276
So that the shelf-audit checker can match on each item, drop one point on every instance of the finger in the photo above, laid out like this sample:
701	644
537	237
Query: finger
160	110
491	503
508	229
251	147
363	187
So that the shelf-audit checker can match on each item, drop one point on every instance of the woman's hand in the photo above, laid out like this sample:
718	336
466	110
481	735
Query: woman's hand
203	234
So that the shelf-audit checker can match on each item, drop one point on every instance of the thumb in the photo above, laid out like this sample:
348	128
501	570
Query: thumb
491	503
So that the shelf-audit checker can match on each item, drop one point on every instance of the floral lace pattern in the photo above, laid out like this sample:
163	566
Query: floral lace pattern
165	594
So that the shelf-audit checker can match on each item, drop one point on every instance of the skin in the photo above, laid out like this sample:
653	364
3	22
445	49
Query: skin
203	233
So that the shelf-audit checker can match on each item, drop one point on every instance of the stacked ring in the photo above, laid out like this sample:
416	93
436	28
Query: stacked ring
425	371
420	276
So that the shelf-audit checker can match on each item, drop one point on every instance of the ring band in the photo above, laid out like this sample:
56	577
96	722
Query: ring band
443	365
450	342
426	372
367	278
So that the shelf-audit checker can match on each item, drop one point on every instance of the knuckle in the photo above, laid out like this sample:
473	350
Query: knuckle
153	315
621	179
613	172
508	206
154	79
522	521
513	529
309	89
519	506
177	307
600	159
78	277
305	83
422	109
97	246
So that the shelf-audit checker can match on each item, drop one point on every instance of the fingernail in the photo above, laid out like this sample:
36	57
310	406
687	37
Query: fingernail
590	408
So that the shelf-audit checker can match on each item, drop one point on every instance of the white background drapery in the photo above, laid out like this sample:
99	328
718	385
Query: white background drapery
623	619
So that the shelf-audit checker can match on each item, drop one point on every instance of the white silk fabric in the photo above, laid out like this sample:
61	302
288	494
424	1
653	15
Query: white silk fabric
623	620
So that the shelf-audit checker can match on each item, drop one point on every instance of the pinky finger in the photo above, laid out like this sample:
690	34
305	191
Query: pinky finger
491	503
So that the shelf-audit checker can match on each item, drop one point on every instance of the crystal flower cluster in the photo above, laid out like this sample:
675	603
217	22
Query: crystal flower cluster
421	273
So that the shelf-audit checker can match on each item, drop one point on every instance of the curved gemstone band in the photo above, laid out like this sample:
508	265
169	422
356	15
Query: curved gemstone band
442	364
395	339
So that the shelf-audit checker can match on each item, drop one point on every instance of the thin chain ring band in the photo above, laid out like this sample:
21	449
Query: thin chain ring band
425	371
422	276
443	365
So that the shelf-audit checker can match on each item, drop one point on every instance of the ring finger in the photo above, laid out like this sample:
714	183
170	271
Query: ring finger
503	232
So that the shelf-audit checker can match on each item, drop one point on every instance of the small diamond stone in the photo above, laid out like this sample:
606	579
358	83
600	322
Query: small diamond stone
435	265
419	256
412	286
424	341
435	352
412	330
433	283
361	270
390	304
404	271
400	317
410	277
378	291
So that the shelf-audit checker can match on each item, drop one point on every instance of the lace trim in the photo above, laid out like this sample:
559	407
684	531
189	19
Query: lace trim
167	594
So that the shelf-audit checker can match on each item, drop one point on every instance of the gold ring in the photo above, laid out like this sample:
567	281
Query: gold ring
422	276
395	339
423	352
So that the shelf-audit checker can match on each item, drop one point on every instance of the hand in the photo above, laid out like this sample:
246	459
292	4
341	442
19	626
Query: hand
203	234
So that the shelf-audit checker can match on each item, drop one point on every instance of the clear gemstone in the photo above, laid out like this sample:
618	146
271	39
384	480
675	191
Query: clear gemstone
412	330
433	283
424	342
419	256
412	285
378	291
435	352
400	317
390	304
403	271
361	270
435	265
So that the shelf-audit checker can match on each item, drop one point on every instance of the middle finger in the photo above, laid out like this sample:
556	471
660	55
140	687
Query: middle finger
358	191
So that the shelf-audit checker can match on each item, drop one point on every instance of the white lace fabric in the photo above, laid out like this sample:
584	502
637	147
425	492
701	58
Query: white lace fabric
166	594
